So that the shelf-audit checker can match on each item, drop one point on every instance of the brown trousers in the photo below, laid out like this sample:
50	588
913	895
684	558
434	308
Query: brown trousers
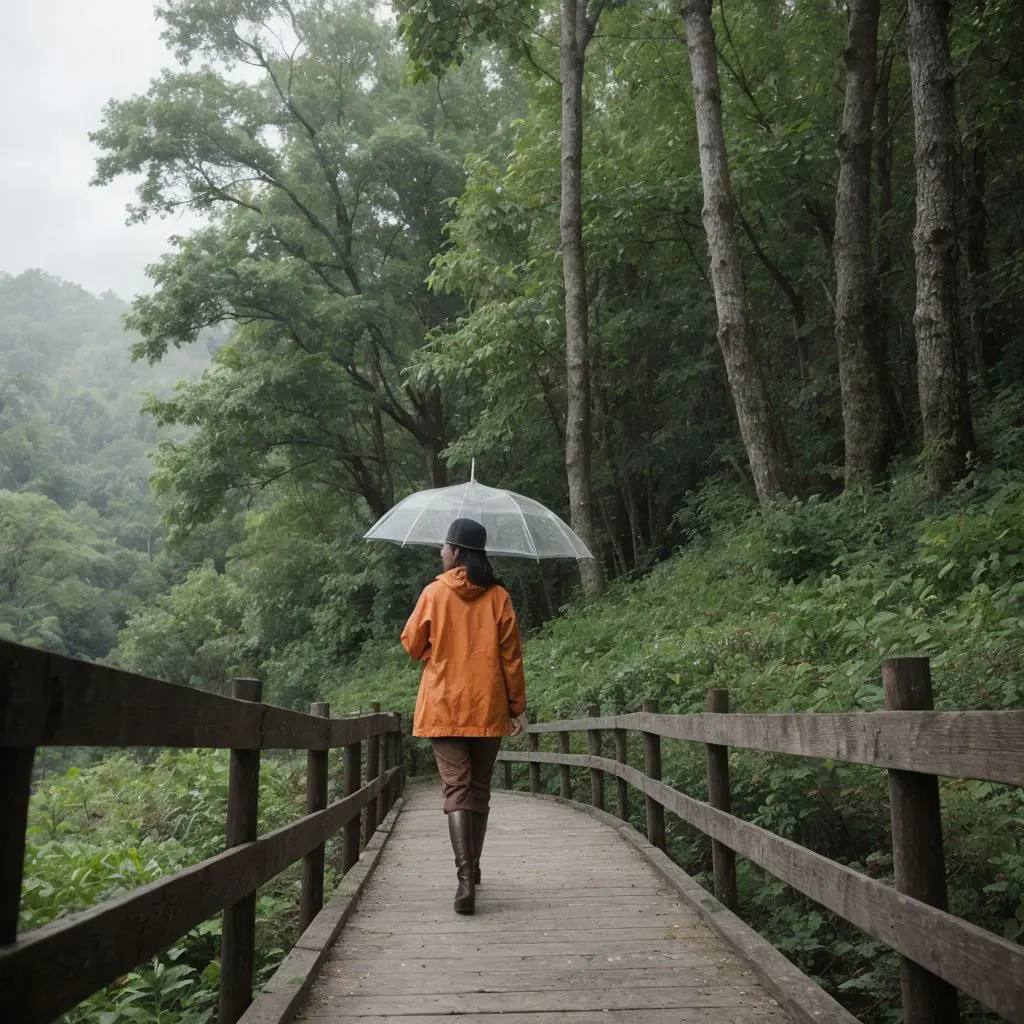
465	764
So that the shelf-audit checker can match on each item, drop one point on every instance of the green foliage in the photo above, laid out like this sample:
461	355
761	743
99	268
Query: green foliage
793	609
80	542
99	831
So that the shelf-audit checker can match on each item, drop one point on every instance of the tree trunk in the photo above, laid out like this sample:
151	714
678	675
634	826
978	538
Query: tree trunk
575	34
868	420
759	427
984	344
883	170
941	375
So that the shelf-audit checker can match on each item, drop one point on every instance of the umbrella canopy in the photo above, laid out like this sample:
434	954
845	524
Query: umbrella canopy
515	525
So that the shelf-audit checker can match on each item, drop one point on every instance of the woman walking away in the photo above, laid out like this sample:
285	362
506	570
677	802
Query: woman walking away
472	691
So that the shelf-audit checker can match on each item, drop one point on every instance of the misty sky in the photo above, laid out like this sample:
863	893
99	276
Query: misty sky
60	61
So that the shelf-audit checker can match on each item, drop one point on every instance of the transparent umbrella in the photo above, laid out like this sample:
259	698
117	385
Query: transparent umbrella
515	525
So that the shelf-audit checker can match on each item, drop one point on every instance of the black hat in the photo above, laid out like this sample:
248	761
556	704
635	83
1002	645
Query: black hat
467	533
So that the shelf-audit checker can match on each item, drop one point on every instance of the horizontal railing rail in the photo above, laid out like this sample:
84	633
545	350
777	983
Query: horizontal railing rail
986	745
49	700
938	950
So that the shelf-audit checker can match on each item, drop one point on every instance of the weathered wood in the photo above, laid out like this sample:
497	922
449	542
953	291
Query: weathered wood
372	771
720	797
507	777
564	771
594	746
793	989
15	790
395	788
350	784
50	700
918	860
389	965
238	930
383	767
283	993
652	769
983	965
312	891
533	741
958	744
51	969
622	756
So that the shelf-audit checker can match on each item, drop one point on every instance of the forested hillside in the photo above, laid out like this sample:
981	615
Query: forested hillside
737	287
80	537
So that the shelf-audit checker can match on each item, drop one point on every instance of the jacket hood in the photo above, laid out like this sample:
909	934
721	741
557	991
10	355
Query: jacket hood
457	580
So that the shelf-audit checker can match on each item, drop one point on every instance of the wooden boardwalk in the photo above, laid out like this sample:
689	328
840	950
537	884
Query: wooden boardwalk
572	925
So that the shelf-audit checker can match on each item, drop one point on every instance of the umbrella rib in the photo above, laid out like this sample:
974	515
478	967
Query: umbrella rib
414	522
526	525
562	527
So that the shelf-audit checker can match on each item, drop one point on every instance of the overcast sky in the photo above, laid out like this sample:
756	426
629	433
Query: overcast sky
60	61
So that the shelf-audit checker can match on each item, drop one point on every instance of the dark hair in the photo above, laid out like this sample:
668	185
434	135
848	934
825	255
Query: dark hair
478	567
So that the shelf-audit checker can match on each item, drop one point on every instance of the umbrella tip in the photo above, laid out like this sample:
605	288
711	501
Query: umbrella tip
472	470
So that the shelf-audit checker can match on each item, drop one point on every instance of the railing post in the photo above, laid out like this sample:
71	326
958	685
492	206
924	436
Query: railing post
533	742
15	790
622	756
413	755
398	761
351	765
312	898
383	764
918	861
238	931
507	780
564	770
594	745
652	769
372	767
720	797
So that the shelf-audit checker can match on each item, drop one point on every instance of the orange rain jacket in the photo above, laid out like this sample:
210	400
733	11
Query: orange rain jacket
473	682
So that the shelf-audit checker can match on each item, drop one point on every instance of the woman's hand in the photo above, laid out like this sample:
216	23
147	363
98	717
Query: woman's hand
519	724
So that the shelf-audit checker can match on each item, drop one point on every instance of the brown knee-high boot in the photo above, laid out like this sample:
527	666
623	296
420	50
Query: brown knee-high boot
460	829
479	831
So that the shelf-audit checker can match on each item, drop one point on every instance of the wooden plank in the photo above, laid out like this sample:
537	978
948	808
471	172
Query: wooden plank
989	968
50	700
311	897
638	999
594	976
49	970
533	741
652	769
15	791
238	929
958	744
372	771
350	784
564	775
919	863
280	998
678	1015
720	797
405	956
594	746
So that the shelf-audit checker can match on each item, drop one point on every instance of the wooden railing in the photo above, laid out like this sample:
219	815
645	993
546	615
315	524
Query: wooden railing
940	953
47	700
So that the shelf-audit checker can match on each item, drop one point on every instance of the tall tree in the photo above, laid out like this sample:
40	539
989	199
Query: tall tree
575	33
326	177
941	370
868	420
759	426
438	35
